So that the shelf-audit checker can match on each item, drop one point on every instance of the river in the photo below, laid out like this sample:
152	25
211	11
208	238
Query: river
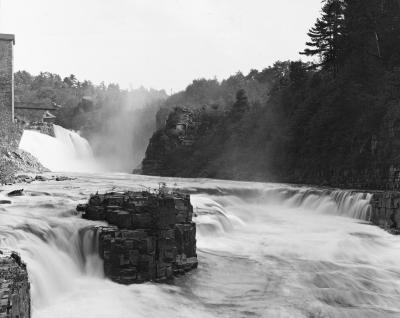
265	250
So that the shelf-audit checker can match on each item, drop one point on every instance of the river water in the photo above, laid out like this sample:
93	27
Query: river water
265	250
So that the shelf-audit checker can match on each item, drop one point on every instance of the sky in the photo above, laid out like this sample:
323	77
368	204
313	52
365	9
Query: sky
163	44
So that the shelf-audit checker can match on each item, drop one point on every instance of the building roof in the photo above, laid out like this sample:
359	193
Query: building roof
7	37
36	106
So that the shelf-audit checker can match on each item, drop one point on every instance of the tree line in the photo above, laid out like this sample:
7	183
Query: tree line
330	121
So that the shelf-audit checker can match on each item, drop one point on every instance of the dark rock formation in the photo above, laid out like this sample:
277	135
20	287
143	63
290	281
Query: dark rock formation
16	193
175	143
15	299
151	237
385	210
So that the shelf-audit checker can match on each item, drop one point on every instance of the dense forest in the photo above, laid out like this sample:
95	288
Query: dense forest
116	122
334	121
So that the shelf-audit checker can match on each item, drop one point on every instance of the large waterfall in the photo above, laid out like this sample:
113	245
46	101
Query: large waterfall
265	250
67	151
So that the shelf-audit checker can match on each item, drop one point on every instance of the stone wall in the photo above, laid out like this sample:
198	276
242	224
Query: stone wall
151	237
15	299
9	134
6	77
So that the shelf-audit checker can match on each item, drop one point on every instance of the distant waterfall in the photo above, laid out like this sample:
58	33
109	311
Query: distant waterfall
347	203
67	151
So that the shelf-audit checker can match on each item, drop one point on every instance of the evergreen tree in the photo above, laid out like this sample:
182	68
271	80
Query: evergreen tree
326	35
241	105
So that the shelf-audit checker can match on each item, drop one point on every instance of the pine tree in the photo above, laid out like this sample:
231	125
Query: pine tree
240	106
326	35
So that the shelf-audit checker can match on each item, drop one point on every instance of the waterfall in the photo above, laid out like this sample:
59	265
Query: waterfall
267	249
67	151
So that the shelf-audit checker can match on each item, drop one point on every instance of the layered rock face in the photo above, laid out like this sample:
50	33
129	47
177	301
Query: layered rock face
385	210
15	299
151	237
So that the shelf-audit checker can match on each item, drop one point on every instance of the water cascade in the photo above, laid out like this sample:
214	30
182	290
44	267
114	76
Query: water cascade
265	250
67	151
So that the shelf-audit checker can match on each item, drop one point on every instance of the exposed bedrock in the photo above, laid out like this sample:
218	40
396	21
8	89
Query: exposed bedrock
15	301
385	210
151	236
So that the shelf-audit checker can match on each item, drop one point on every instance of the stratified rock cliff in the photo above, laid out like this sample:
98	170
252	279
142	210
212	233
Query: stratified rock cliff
15	301
151	236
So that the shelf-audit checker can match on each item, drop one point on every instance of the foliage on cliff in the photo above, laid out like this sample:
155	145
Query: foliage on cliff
320	123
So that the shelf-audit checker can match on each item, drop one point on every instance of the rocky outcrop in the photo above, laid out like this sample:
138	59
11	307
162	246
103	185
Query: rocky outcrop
385	210
42	127
151	236
170	148
13	161
15	299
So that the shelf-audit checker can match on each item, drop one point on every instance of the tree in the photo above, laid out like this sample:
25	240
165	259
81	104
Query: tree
326	35
71	81
241	105
297	73
372	33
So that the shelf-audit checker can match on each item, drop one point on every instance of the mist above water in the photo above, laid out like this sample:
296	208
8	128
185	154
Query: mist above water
127	124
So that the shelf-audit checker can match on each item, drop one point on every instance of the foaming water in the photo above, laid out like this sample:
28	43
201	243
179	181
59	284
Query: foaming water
67	151
265	250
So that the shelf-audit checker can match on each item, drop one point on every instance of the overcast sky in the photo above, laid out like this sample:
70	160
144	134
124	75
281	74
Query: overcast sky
155	43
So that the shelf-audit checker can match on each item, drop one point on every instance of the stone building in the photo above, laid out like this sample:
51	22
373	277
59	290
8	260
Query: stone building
7	42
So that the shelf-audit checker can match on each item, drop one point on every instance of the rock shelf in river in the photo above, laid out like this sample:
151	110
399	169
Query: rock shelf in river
150	237
15	301
385	210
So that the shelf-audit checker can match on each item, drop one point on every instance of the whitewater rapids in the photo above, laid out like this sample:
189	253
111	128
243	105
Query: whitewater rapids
265	250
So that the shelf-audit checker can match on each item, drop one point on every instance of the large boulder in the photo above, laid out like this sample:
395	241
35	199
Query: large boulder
151	236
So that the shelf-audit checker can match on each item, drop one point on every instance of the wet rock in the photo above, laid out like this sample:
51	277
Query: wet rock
40	178
14	287
63	178
151	236
385	210
16	193
81	207
23	179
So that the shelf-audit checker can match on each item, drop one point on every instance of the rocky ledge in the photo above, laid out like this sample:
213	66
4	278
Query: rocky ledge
15	299
385	210
151	236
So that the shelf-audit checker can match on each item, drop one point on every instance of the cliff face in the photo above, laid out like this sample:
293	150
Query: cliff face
342	132
332	122
178	134
200	144
15	299
385	210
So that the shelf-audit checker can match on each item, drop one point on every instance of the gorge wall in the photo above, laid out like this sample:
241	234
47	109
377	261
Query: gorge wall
190	145
333	122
